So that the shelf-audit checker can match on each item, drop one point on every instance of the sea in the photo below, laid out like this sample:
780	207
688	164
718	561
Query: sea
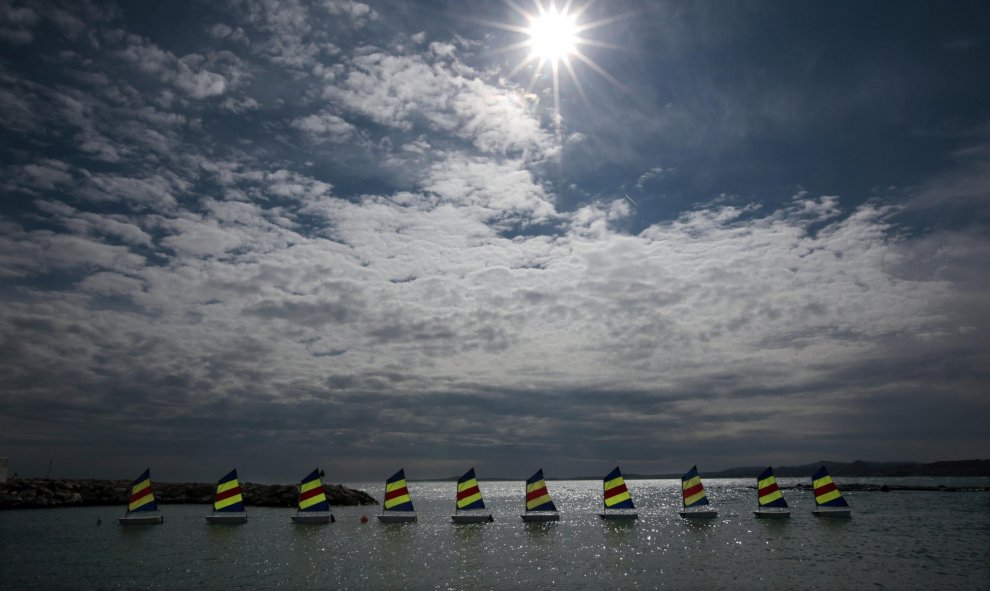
894	540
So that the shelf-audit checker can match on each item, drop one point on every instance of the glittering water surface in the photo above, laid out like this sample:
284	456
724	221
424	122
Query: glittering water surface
898	540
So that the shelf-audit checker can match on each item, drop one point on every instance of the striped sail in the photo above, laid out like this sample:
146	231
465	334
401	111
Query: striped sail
229	498
312	497
397	494
826	493
616	494
537	495
768	493
692	489
142	496
468	493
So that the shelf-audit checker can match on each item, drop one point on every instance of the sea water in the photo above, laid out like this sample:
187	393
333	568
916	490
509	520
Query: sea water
896	540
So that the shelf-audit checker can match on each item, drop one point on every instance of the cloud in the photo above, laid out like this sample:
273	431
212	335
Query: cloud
190	73
428	264
655	174
407	92
324	126
16	23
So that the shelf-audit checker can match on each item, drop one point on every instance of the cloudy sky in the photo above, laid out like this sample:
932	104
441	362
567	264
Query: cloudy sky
273	234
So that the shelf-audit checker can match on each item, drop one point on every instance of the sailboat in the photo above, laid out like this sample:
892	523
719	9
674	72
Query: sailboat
397	506
695	500
539	505
617	497
228	504
313	505
469	500
142	509
828	500
770	501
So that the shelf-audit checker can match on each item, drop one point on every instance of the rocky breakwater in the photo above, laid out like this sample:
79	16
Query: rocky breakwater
35	493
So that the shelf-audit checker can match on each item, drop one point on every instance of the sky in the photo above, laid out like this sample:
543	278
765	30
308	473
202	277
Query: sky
277	234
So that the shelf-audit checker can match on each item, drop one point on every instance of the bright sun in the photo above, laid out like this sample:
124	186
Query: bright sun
552	35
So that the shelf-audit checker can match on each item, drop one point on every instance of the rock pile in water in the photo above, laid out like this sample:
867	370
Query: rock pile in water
34	493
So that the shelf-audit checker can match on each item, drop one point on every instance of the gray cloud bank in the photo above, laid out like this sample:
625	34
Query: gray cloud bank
292	245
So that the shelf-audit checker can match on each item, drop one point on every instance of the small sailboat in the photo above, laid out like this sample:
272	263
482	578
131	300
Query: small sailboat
829	502
397	506
470	507
539	505
695	500
142	509
313	505
617	497
228	504
770	501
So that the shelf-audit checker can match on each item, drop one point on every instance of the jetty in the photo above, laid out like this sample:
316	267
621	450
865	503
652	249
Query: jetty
39	493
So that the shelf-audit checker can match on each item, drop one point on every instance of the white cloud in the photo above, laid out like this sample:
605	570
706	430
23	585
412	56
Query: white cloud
401	91
324	126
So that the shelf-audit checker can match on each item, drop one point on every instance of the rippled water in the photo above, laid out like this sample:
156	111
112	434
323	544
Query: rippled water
898	540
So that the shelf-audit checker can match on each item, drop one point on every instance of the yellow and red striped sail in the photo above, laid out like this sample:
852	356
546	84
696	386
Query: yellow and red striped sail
397	493
228	498
692	489
312	496
767	492
468	493
616	494
142	495
537	495
826	493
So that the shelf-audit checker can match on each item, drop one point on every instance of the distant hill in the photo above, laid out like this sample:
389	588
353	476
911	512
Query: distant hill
858	468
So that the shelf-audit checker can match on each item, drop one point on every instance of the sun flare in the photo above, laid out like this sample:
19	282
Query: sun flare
552	35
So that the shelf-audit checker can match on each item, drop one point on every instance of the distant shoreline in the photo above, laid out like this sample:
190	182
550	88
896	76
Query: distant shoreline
857	469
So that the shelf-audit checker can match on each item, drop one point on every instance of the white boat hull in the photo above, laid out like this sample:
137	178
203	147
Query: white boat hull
229	518
482	518
619	516
397	518
154	519
312	519
782	513
702	514
840	512
540	517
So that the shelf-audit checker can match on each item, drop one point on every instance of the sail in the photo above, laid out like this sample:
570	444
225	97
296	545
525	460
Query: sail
397	494
229	499
616	494
142	496
312	497
468	493
768	493
537	495
692	489
826	494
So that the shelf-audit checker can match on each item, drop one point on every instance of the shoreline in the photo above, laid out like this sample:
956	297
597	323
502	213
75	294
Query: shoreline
41	493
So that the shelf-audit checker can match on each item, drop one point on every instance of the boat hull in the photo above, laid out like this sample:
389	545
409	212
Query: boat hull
229	518
483	518
844	512
772	514
540	517
316	519
619	516
702	514
141	520
386	518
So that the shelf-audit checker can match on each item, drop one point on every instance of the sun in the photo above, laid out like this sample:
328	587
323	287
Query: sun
553	38
553	35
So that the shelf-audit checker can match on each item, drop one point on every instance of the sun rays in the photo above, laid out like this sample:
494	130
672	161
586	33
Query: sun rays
553	38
